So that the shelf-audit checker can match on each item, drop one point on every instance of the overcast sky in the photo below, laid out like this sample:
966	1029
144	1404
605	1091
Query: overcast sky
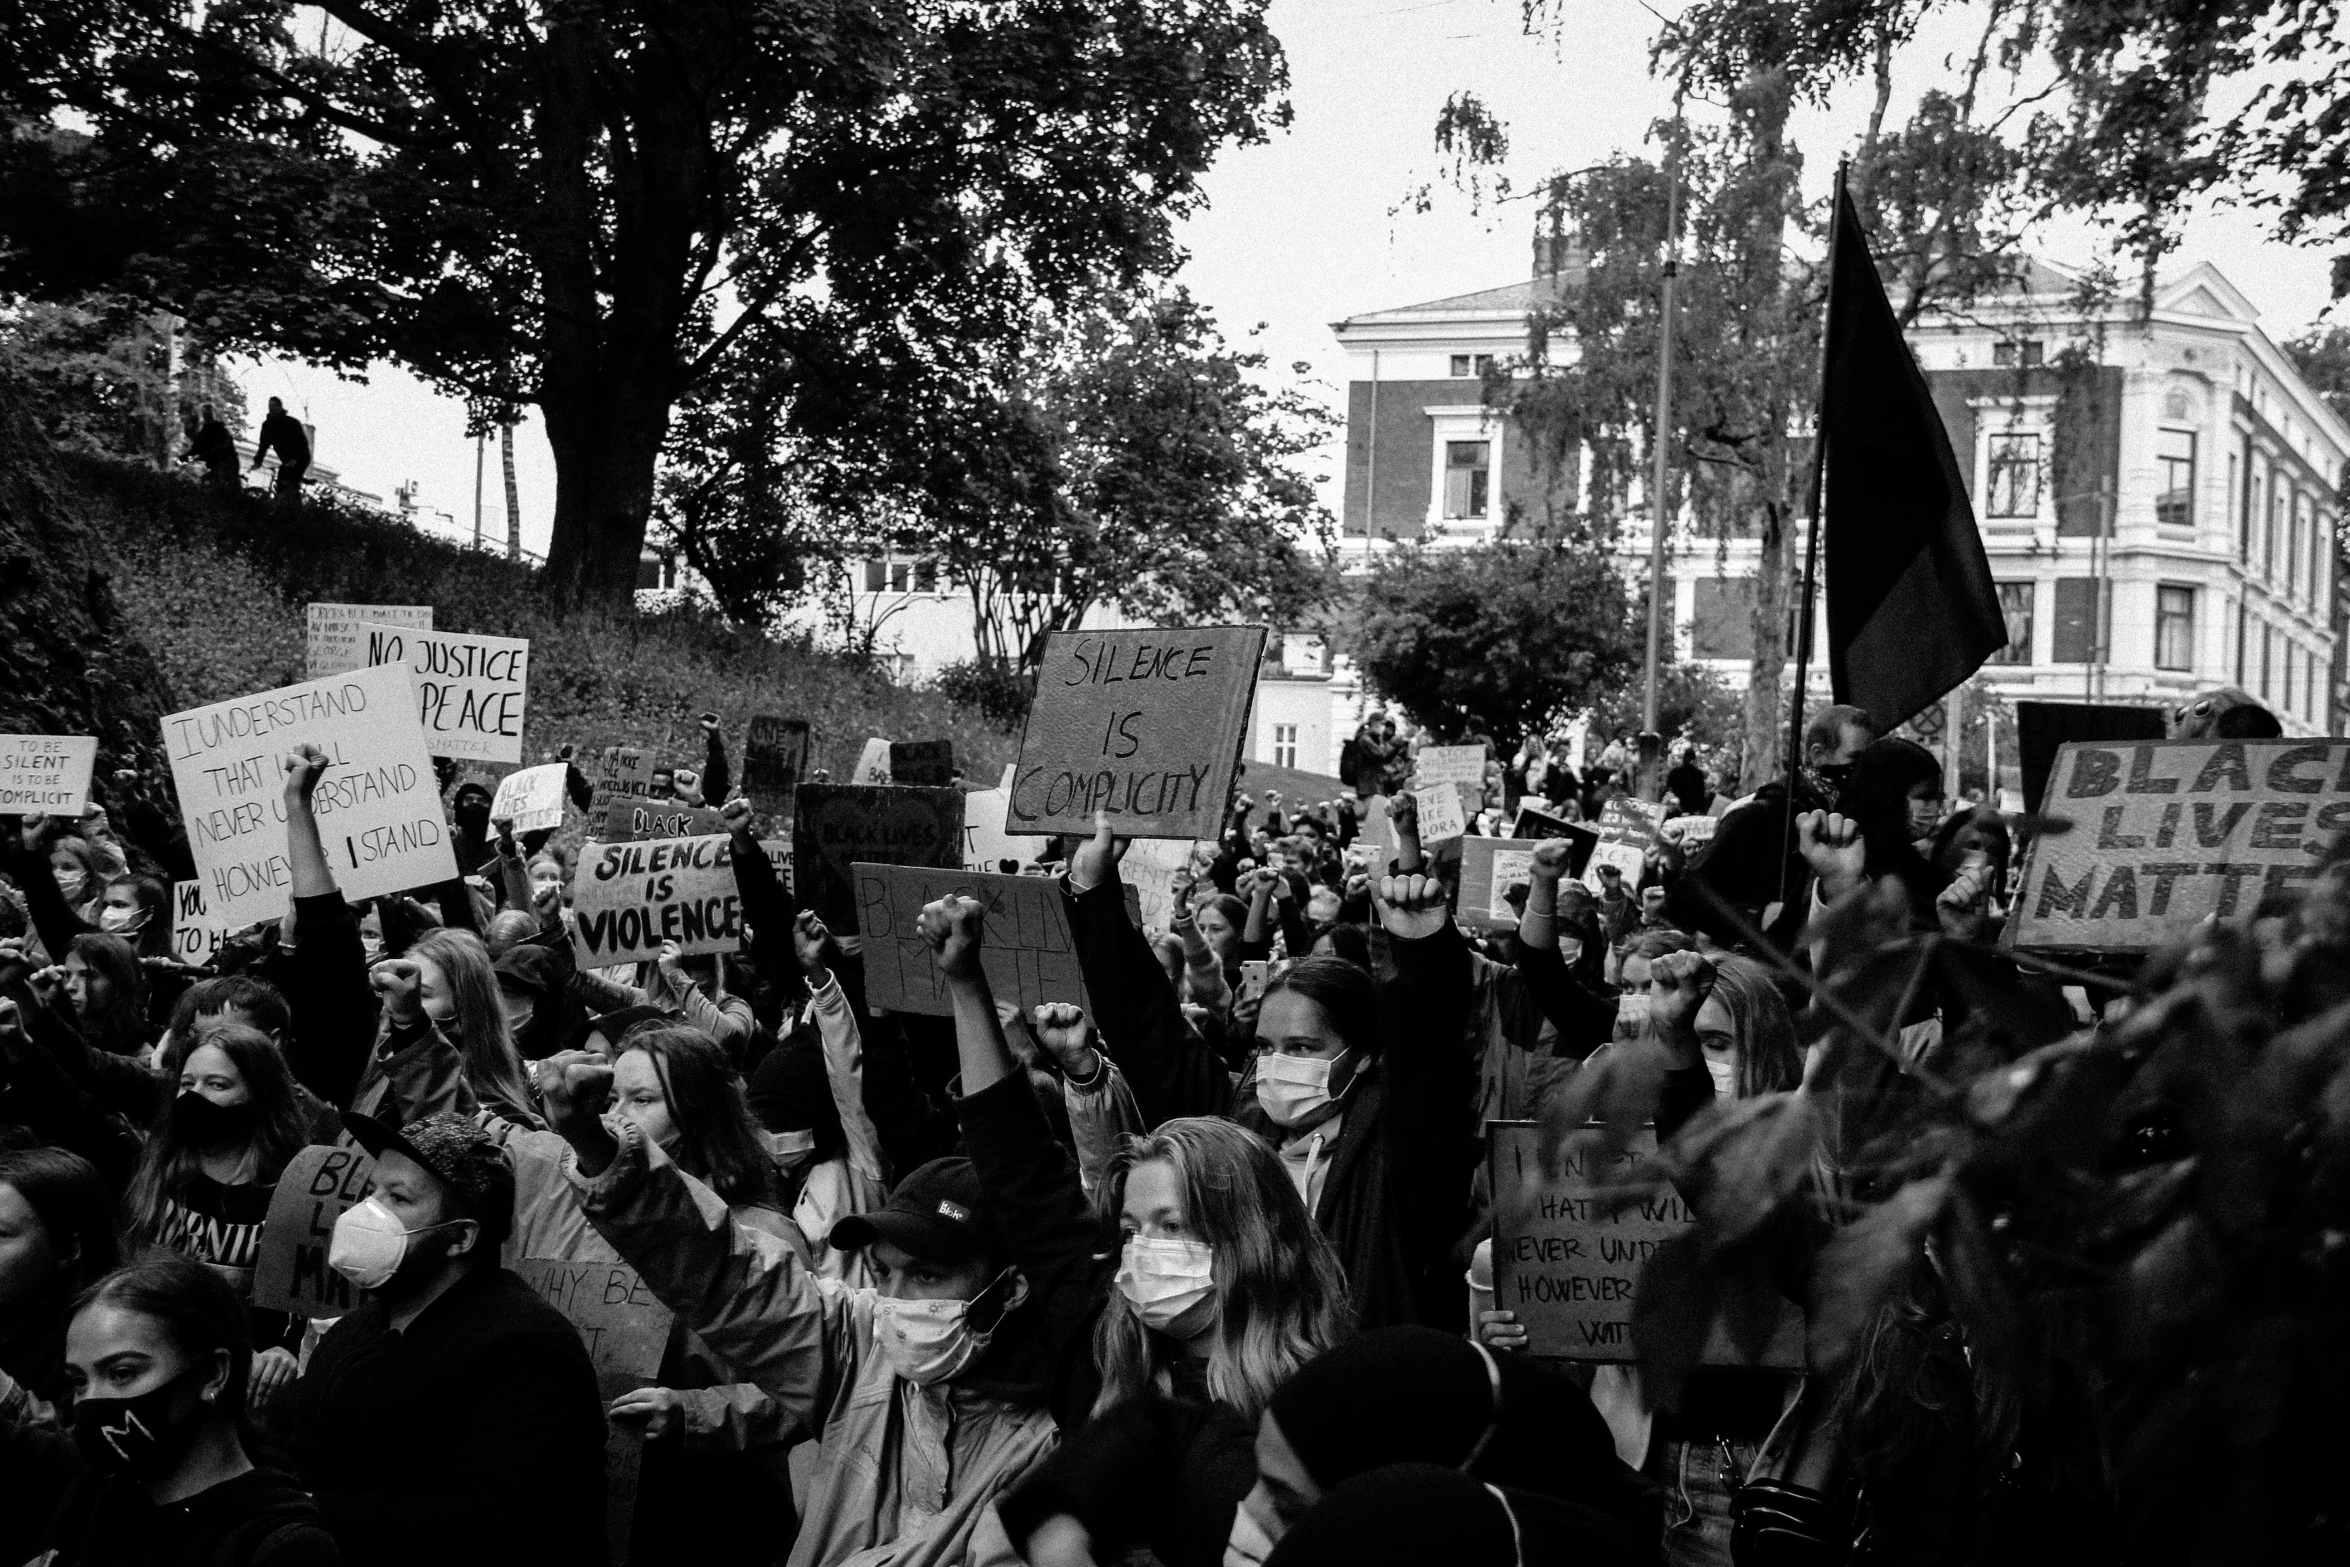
1315	225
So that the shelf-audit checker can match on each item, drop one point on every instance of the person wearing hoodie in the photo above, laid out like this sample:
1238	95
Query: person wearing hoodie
158	1357
928	1394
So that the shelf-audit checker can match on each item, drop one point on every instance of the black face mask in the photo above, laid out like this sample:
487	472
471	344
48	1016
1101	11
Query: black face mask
1833	776
143	1436
201	1123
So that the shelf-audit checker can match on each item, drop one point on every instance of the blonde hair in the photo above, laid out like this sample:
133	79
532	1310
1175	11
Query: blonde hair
1280	1294
493	1067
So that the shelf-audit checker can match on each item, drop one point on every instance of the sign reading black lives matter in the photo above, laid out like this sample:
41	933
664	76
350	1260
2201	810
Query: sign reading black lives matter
290	1273
1025	944
836	825
2166	832
1569	1267
1144	724
629	898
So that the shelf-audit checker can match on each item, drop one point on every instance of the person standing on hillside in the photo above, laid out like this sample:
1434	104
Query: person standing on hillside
283	433
212	445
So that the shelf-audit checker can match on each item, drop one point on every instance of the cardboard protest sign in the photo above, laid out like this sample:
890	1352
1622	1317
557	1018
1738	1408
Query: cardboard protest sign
629	898
533	797
1626	829
1453	764
985	843
873	762
2167	832
1144	724
778	852
925	763
1026	946
338	646
196	937
1490	869
836	825
1693	832
2042	727
1568	1267
1439	815
634	821
1149	871
469	688
618	772
290	1273
775	759
626	1331
378	805
46	774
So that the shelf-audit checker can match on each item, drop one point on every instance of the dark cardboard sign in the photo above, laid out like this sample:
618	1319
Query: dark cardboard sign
2167	832
2040	727
775	759
634	821
626	1331
1144	724
1569	1269
617	772
834	826
1024	943
289	1270
627	899
928	764
1490	869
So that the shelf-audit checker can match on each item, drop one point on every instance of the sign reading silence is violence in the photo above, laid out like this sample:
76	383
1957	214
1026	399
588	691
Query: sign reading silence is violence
2164	833
629	898
1145	724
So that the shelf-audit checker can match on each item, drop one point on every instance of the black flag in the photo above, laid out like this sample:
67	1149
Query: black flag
1911	608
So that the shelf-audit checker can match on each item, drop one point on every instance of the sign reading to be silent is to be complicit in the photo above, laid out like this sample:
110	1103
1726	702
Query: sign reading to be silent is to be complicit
1143	724
2166	833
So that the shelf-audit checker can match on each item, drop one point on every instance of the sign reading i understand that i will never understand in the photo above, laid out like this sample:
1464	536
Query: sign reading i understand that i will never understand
1568	1261
2166	833
1143	724
378	805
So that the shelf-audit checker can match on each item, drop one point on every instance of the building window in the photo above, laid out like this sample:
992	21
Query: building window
2084	608
1466	365
1468	471
2174	628
926	576
2015	603
2015	476
2268	653
2174	461
1285	745
2010	355
2296	518
2268	553
876	575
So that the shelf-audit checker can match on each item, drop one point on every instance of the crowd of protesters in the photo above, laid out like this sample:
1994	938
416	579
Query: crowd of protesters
1193	1278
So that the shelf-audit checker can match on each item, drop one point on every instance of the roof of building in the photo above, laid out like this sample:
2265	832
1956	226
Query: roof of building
1511	299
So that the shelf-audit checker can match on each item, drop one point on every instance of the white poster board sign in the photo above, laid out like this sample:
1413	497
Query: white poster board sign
196	936
338	646
985	843
533	797
378	806
469	688
1440	813
46	775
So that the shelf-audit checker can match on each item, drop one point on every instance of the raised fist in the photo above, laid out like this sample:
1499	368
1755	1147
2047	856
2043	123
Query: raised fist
304	764
952	928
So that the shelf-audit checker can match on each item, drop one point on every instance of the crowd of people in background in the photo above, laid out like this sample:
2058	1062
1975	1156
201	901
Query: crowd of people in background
1200	1276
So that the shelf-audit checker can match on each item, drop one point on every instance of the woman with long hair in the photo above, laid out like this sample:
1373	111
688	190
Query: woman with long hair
458	988
716	1484
103	990
57	1236
162	1365
1222	1289
211	1165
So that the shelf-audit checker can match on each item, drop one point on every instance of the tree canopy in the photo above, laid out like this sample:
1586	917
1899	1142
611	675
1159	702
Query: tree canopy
589	207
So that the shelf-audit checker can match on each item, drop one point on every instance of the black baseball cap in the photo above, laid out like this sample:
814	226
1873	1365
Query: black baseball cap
937	1213
464	1158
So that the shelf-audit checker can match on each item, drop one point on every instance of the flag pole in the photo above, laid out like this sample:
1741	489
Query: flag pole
1811	544
1650	741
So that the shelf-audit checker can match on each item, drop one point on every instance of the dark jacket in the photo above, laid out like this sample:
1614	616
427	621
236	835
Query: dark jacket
1164	1474
1743	865
283	432
476	1435
262	1518
334	1049
214	447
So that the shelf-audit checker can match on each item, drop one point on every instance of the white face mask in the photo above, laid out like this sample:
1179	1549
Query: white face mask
790	1150
1291	1088
927	1341
370	1243
1249	1544
1725	1076
120	920
1165	1279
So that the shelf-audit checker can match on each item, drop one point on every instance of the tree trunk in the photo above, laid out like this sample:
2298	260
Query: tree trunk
513	493
75	666
607	442
1761	110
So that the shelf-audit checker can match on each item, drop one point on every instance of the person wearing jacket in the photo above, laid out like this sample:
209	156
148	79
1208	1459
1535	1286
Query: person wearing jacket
928	1394
1361	1084
451	1417
158	1357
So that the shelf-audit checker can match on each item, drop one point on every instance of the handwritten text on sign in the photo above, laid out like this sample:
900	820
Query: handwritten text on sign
626	1331
628	821
2167	832
1491	868
290	1271
836	825
46	774
196	937
1025	943
629	898
469	689
1627	827
1145	725
378	806
618	772
338	642
531	798
1568	1268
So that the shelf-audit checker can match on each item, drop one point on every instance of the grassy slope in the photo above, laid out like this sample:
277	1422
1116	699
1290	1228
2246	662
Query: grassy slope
215	586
